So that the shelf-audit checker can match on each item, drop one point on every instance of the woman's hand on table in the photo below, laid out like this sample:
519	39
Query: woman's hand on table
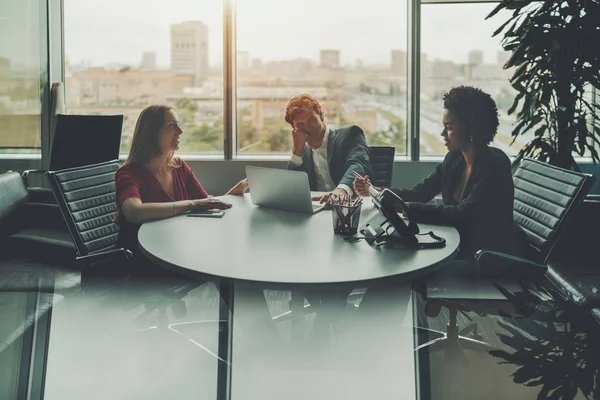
209	203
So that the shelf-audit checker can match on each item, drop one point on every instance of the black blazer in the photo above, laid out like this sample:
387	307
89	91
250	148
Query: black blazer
484	215
347	151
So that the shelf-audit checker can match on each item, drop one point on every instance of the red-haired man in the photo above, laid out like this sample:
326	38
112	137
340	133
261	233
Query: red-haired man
329	157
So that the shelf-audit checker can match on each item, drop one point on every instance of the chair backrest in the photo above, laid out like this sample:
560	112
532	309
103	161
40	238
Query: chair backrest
57	103
85	140
546	198
86	197
382	164
12	194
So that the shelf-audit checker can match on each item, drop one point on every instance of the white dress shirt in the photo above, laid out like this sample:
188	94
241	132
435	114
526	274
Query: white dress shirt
323	177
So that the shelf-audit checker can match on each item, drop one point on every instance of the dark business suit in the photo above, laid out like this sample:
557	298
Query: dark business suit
347	152
484	214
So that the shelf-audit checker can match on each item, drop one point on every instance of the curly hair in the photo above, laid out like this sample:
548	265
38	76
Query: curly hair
477	110
303	102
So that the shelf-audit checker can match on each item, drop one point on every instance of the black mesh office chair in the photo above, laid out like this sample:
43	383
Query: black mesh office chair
78	140
382	164
83	140
546	198
86	197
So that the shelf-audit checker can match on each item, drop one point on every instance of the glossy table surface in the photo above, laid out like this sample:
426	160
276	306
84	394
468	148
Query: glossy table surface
272	246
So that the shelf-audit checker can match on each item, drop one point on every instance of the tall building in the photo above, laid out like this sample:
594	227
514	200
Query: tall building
243	59
399	62
475	57
100	87
442	69
256	63
4	67
330	59
189	50
148	60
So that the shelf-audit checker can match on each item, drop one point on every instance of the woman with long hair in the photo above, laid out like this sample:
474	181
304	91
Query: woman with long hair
153	183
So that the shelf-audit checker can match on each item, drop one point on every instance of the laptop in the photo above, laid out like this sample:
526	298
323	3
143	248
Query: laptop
282	189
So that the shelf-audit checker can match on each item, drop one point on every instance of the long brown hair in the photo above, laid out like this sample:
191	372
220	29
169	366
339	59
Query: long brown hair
144	145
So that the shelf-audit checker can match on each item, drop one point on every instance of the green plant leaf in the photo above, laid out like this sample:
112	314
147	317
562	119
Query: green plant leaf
555	56
539	132
517	55
501	28
515	103
519	74
496	9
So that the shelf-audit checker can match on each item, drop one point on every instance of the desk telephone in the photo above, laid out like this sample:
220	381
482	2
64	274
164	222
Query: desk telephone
379	232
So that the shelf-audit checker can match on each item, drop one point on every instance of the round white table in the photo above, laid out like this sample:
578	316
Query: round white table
282	248
270	247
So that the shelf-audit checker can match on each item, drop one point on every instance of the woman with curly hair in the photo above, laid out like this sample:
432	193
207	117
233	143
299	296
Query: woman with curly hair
475	179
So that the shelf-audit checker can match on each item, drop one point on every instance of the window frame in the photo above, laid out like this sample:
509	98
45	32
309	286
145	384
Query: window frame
230	86
230	151
413	77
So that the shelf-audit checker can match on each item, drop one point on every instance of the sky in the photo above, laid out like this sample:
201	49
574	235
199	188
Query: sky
104	31
19	32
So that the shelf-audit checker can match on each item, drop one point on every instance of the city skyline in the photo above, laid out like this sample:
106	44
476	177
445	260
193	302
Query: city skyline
124	36
316	60
355	54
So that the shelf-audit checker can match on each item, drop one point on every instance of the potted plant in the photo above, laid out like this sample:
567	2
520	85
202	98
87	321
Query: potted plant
556	55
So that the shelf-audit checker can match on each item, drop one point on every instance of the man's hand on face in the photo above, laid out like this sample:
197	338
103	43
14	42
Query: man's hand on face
299	138
338	192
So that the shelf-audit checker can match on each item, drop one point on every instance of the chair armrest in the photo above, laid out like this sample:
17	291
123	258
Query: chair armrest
104	256
501	265
28	172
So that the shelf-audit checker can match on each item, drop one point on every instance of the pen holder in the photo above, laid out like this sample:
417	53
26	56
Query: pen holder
345	218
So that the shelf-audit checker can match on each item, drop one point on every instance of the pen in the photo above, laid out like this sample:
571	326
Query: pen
359	176
356	174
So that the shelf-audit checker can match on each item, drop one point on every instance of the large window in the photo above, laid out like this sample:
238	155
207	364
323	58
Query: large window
351	56
457	48
124	55
20	71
